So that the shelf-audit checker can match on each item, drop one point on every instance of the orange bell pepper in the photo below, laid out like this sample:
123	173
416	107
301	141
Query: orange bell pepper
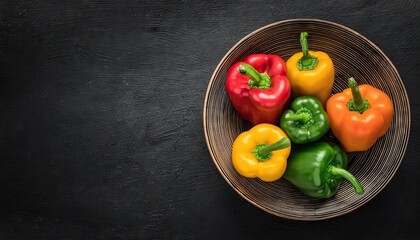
359	116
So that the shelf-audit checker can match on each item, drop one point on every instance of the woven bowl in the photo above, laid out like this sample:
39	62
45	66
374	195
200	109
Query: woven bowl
353	56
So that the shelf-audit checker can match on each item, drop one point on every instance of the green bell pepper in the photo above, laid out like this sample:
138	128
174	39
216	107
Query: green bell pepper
317	169
306	121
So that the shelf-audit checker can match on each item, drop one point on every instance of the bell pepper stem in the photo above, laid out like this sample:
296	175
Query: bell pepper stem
258	80
263	152
349	177
307	61
357	103
358	100
301	117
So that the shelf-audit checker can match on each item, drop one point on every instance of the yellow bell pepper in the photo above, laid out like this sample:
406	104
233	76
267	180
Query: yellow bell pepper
310	73
261	152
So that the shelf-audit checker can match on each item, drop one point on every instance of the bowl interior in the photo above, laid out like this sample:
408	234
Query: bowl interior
353	56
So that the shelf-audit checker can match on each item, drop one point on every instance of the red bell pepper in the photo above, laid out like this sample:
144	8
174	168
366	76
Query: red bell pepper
258	88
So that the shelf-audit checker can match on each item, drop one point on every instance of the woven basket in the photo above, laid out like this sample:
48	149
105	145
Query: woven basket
353	56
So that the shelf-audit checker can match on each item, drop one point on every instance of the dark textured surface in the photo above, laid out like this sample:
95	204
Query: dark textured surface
101	132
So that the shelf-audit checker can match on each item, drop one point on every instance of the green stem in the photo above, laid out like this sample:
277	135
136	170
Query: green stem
263	152
349	177
301	117
357	97
357	103
258	80
304	43
307	61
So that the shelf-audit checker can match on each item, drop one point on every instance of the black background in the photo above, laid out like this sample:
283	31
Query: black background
101	133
